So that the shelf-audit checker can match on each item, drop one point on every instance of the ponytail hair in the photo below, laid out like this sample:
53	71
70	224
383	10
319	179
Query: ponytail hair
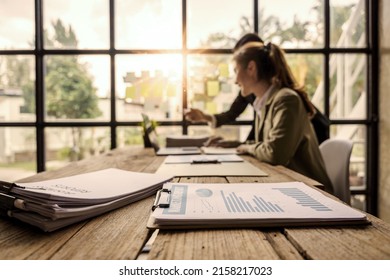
272	66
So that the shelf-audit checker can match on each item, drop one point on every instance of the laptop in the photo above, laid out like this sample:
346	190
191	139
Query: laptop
151	136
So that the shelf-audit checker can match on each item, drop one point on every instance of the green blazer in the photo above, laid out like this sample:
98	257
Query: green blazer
286	137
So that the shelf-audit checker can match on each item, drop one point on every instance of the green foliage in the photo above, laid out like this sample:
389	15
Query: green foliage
64	153
25	165
70	93
297	32
69	89
28	89
63	37
269	27
340	14
153	125
132	136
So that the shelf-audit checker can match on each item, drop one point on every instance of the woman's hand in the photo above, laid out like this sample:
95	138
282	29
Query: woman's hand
212	141
243	149
217	141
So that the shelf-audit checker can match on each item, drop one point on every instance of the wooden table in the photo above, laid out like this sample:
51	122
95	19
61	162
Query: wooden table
122	233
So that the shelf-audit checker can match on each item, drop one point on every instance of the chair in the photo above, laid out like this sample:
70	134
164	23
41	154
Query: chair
336	154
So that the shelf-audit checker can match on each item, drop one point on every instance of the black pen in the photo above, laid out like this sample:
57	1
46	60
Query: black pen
205	161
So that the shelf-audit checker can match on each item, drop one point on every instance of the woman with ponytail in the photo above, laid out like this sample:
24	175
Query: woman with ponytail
284	134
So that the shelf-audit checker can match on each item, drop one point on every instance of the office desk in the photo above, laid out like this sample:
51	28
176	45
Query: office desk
122	233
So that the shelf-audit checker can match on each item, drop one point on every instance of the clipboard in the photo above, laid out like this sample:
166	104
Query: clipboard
243	205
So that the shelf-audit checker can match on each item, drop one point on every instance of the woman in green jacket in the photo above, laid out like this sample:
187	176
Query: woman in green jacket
284	134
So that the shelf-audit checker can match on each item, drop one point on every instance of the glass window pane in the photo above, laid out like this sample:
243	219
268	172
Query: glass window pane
64	145
228	132
17	153
129	136
200	130
233	132
164	131
348	84
308	71
75	24
211	84
359	201
218	23
77	87
348	21
134	135
150	24
17	25
301	25
357	167
151	84
17	88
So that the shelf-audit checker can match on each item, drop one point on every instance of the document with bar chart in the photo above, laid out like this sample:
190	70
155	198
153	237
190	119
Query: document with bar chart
193	205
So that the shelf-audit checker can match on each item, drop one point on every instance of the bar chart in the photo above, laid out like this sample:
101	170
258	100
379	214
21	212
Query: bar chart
237	204
303	199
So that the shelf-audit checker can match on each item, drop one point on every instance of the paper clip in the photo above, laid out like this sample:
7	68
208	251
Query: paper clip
6	187
7	200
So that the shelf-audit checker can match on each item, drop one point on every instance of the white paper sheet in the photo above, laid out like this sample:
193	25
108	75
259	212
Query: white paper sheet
93	187
243	168
202	158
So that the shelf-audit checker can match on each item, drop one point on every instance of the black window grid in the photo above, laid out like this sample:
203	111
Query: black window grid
371	52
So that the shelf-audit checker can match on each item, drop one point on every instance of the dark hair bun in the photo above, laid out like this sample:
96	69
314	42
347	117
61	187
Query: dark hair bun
249	37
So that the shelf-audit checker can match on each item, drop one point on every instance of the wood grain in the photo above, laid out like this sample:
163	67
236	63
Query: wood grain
370	242
122	233
229	244
118	234
19	241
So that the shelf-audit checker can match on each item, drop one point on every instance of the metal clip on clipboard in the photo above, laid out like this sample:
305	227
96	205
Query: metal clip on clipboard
163	199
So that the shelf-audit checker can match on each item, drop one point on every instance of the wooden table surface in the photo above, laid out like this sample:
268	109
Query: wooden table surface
122	233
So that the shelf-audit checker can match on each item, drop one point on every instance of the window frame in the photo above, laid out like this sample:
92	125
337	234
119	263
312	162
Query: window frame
370	122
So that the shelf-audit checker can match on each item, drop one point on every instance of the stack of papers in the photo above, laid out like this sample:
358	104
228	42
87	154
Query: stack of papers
56	203
252	204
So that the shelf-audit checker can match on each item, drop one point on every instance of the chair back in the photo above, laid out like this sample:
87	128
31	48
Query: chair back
336	154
